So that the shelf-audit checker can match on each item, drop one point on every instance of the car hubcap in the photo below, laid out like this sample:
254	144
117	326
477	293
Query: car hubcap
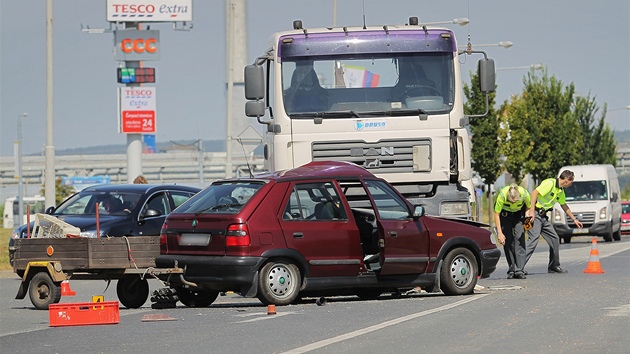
461	271
280	280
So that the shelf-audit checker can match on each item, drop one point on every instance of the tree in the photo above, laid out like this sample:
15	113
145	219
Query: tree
61	191
485	155
599	141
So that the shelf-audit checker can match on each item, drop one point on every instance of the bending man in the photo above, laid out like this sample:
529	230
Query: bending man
509	211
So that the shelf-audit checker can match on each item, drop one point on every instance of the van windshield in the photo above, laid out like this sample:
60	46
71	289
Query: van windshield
586	190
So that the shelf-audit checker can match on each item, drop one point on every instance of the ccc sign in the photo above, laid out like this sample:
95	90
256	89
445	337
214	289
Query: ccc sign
132	45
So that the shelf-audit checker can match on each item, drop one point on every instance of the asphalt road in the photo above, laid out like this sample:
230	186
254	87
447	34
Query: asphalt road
545	313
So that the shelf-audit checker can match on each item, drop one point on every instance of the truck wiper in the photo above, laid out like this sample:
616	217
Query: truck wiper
397	112
331	114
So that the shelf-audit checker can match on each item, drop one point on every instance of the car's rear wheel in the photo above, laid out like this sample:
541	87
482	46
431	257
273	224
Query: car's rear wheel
368	293
458	275
43	291
279	283
196	298
132	292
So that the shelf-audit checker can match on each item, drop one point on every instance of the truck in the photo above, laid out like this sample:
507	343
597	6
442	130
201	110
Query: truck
595	200
387	98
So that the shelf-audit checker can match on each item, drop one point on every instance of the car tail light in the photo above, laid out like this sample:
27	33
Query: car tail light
163	243
237	235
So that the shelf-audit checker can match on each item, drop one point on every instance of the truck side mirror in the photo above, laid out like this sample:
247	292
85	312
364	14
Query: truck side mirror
254	108
254	82
487	78
614	198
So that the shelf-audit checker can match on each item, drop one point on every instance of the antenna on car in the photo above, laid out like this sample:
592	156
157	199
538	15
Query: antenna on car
249	168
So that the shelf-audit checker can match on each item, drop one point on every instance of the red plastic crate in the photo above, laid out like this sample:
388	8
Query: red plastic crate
84	313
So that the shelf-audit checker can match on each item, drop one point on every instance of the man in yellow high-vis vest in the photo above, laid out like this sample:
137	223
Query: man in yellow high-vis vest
543	198
509	211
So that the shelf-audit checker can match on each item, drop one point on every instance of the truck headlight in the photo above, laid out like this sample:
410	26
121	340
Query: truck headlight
454	208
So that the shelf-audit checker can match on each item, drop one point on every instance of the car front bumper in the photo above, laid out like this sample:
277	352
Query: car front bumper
597	229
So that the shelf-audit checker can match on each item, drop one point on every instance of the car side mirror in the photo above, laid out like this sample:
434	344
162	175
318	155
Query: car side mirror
150	213
49	210
418	211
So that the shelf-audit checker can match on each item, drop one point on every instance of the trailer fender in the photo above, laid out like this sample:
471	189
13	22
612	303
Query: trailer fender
53	269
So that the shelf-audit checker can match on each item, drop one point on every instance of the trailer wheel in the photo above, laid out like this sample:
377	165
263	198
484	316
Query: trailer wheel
132	292
43	291
192	298
458	275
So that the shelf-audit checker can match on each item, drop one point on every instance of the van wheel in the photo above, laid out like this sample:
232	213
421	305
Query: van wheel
566	239
43	291
617	235
279	283
608	237
458	275
132	292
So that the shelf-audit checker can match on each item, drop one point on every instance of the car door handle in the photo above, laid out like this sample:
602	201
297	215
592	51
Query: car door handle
298	235
393	233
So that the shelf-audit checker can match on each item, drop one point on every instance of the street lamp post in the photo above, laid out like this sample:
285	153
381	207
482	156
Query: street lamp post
533	66
19	169
469	47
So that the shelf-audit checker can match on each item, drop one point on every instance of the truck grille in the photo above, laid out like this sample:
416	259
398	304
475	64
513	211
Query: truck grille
384	156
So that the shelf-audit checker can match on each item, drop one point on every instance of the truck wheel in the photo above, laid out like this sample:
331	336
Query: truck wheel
43	291
196	298
279	283
132	292
458	275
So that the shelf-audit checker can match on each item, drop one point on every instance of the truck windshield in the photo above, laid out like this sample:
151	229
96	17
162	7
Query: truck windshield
362	84
586	190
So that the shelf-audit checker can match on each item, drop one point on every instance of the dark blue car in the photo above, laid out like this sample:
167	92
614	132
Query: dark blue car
124	210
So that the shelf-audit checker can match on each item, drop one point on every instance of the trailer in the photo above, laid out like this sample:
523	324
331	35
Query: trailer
44	263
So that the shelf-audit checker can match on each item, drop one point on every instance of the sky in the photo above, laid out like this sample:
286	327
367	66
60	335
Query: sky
586	43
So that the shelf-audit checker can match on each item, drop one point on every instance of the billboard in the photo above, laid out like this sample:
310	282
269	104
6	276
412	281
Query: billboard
136	110
149	10
137	45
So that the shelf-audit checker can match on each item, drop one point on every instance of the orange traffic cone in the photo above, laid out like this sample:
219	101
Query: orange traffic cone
593	265
65	289
271	309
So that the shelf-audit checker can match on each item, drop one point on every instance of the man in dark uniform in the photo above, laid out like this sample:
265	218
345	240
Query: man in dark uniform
548	193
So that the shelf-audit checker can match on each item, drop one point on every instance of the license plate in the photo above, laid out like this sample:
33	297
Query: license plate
194	239
580	231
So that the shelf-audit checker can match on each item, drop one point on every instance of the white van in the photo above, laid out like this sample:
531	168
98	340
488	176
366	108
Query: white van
595	200
11	217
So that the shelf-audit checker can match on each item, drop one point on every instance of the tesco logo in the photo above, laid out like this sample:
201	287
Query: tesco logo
138	92
133	9
138	45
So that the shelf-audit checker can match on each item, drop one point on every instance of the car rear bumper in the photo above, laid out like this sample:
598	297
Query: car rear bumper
489	260
213	272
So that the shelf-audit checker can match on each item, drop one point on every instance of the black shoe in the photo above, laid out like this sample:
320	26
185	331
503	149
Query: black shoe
556	270
525	272
510	276
519	276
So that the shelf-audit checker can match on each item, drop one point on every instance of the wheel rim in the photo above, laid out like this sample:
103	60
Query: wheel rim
43	290
280	281
461	271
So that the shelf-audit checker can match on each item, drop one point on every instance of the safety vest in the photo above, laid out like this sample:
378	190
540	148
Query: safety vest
549	193
504	204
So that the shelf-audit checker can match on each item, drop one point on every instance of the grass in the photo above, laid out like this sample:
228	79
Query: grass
4	248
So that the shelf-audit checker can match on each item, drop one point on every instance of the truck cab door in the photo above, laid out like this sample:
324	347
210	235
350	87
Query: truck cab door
404	243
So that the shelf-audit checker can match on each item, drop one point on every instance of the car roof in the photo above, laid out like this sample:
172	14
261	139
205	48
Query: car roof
319	169
138	188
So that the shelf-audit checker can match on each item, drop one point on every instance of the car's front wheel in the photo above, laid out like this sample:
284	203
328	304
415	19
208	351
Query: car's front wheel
458	275
279	283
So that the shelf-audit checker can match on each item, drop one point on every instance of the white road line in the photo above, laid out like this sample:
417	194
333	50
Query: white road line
366	330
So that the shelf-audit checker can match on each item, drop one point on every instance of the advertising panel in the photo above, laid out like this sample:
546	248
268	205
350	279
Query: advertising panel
137	45
149	10
136	110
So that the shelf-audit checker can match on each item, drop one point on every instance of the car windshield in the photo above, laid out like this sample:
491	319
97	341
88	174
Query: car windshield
227	197
586	190
84	203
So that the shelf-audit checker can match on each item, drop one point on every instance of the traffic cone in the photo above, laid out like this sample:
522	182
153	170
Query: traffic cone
65	289
593	265
271	309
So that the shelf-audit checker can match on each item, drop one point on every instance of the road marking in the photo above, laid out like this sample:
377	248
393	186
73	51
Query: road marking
621	311
377	327
263	316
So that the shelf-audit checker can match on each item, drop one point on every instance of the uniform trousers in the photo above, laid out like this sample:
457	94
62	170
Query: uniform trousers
543	227
514	248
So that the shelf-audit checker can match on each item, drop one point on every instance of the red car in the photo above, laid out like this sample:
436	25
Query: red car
625	217
326	228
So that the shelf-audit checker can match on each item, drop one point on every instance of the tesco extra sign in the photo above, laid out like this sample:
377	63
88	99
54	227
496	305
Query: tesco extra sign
137	44
149	10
